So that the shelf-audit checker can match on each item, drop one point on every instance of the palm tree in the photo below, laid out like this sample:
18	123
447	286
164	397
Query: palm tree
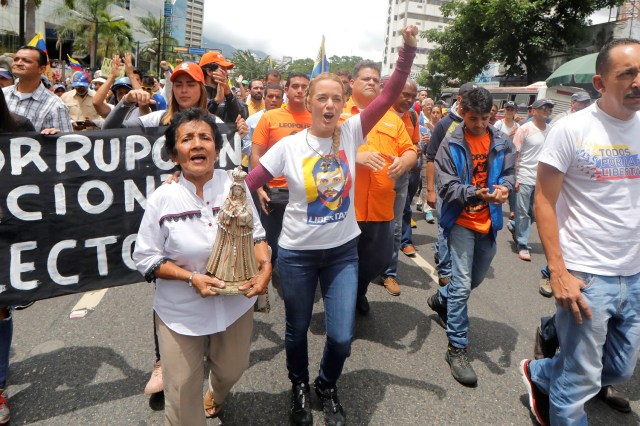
91	16
154	28
30	6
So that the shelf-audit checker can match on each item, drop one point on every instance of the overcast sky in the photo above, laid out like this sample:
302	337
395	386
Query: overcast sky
295	27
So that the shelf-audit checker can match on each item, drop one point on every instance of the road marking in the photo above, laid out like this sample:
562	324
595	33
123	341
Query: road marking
419	260
87	303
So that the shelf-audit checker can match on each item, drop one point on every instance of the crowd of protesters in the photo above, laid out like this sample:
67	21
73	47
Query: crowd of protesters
336	165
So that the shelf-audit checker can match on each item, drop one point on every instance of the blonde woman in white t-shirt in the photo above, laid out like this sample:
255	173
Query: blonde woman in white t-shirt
318	242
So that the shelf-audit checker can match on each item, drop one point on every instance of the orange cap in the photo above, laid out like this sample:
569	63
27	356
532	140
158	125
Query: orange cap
215	57
191	69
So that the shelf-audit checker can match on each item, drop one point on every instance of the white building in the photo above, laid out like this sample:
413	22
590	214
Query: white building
426	15
193	30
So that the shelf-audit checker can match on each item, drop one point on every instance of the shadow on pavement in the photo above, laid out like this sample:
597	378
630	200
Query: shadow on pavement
360	393
503	339
265	354
63	380
388	323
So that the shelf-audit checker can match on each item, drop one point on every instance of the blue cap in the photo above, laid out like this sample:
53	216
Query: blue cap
58	87
79	80
6	73
121	82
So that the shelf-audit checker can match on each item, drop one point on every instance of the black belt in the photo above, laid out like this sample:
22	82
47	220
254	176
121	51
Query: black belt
279	190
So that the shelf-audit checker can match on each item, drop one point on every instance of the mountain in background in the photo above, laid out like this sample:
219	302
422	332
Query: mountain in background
226	49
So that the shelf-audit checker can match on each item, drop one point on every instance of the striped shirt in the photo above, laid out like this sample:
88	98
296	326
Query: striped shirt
44	109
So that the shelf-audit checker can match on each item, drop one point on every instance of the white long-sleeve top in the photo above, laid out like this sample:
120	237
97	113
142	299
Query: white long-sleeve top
181	227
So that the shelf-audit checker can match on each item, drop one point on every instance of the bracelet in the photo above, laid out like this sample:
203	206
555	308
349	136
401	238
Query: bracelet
190	280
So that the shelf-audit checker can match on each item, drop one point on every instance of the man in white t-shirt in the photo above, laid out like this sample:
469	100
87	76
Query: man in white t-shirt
529	140
587	195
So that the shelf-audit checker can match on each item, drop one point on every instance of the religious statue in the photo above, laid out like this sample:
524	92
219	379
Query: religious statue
232	258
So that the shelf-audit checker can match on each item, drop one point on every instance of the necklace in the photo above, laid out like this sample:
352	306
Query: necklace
314	150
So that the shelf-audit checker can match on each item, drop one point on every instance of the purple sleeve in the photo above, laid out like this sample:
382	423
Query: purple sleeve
257	178
392	89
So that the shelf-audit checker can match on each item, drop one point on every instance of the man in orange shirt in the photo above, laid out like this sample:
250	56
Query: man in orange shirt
387	154
405	187
471	216
273	126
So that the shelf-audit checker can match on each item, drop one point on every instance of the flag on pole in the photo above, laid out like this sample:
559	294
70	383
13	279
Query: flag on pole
74	64
270	66
38	41
321	64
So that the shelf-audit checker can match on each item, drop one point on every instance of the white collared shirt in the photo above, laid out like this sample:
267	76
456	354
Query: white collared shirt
181	227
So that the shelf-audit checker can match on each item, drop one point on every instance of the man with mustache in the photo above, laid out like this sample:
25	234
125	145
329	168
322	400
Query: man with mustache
592	249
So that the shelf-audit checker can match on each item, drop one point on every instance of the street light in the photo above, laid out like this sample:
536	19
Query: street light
96	22
138	48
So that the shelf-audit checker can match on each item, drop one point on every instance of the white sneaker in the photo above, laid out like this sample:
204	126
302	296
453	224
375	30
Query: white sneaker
524	255
154	385
5	415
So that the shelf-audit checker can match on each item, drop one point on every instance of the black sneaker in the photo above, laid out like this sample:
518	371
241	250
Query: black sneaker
461	370
538	400
333	411
614	399
300	413
362	305
437	307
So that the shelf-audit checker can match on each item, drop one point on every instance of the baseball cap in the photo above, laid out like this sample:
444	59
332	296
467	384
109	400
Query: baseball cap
79	79
59	87
510	104
542	102
466	87
214	57
97	74
191	69
581	97
121	82
99	80
6	73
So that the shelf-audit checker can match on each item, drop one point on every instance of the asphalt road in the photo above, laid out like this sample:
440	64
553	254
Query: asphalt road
92	370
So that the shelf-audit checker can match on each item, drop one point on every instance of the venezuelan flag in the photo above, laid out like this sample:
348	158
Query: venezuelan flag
38	41
270	66
321	64
74	64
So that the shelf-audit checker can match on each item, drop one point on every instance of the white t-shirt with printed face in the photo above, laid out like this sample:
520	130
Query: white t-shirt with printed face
320	213
529	141
598	207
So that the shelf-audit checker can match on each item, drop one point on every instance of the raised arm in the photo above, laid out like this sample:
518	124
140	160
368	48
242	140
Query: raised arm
101	94
393	87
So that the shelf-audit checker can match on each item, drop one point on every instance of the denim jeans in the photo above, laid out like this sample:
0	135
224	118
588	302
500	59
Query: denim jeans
441	247
337	270
471	255
524	207
414	182
602	351
401	186
6	334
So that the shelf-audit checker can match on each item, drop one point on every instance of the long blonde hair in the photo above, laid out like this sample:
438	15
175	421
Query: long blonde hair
174	107
335	146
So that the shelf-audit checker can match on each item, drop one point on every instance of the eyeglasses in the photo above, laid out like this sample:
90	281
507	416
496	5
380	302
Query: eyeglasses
147	88
546	108
211	67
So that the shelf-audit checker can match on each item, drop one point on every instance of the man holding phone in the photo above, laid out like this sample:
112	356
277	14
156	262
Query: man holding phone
79	100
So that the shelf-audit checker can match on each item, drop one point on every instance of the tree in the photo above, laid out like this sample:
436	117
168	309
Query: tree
300	65
337	63
154	28
249	65
112	36
30	14
521	34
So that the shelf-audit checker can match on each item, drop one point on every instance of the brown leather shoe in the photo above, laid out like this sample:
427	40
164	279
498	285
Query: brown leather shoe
409	250
392	286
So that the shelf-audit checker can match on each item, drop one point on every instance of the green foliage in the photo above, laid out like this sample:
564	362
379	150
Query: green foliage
521	34
300	65
251	66
337	63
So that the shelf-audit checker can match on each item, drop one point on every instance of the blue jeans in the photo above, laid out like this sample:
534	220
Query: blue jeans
524	207
441	247
6	334
401	186
471	255
602	351
337	270
414	183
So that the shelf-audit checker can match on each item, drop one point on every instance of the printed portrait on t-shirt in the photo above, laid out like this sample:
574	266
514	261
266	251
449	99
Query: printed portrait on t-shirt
327	184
